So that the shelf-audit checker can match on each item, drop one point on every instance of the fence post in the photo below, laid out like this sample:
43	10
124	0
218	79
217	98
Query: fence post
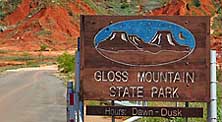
70	102
186	105
80	103
212	105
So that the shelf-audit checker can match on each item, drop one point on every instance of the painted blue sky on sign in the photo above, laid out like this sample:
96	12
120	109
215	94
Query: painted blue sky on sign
146	29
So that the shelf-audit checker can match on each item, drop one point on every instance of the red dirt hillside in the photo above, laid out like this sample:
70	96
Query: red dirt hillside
176	7
35	23
186	7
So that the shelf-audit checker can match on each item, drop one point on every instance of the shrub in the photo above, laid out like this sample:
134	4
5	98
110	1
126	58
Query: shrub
7	7
43	32
196	3
124	5
217	25
219	10
43	47
219	75
66	63
163	2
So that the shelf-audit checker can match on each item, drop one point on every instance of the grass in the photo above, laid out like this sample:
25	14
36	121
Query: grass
26	59
28	64
99	10
3	51
92	102
113	7
44	32
116	8
2	69
152	4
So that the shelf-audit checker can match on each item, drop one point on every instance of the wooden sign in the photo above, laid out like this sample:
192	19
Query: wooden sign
145	58
144	111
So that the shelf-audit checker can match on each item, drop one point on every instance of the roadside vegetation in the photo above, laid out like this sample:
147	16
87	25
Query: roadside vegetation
15	60
66	66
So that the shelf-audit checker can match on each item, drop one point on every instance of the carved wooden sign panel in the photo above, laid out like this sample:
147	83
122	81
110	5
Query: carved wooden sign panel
145	58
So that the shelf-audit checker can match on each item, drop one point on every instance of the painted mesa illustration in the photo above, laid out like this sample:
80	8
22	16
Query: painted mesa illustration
130	48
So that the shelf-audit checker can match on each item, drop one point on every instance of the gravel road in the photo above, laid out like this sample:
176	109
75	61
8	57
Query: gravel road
32	95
